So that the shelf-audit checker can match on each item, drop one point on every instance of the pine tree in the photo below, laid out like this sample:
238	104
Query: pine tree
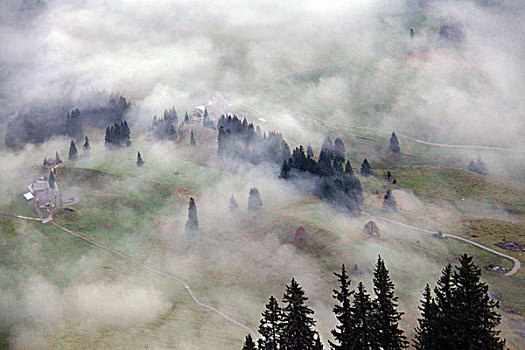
233	204
363	334
343	312
298	325
270	327
424	338
472	311
254	200
389	202
73	153
192	225
309	151
339	150
140	162
86	146
285	170
394	143
57	158
385	310
192	139
248	343
366	169
52	179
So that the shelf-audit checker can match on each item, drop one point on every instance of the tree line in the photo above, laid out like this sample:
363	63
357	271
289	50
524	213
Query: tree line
460	316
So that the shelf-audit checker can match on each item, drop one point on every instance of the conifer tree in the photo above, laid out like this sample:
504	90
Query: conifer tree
348	169
254	200
248	343
192	139
389	202
192	225
233	204
326	155
285	170
140	162
86	146
52	179
394	143
270	327
363	335
298	325
45	162
366	169
343	312
73	153
389	336
186	118
339	150
309	151
57	158
425	332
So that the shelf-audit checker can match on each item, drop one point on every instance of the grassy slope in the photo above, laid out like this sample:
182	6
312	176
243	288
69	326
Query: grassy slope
114	213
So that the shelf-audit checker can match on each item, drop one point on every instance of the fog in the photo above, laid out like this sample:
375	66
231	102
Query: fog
304	68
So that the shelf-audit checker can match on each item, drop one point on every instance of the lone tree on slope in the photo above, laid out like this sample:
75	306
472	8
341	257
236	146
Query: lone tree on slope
389	202
394	143
192	225
366	169
254	200
140	162
73	153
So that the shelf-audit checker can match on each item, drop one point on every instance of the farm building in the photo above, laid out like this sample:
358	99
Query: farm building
44	193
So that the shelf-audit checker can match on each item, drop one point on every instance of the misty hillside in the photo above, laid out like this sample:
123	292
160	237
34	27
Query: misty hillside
195	174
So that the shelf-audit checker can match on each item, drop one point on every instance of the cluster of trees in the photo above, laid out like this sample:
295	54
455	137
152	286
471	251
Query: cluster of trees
38	124
254	201
241	140
166	126
73	151
336	181
118	135
462	316
478	166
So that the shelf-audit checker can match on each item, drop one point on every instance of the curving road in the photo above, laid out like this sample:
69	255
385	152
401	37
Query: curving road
515	268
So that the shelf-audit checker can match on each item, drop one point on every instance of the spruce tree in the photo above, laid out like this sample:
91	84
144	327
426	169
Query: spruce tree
57	158
254	200
472	311
73	153
233	204
389	202
298	325
394	143
425	336
389	336
192	225
86	146
285	170
192	139
339	150
343	312
45	162
186	118
140	162
248	343
52	179
366	169
270	327
364	331
309	151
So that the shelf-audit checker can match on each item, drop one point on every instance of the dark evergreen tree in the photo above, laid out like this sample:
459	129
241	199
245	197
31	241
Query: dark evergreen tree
248	343
45	162
52	179
86	146
125	134
366	169
348	169
206	120
140	162
394	143
270	327
298	326
425	332
389	202
309	151
343	312
73	153
326	156
389	335
233	204
364	330
339	150
186	118
254	200
192	139
57	158
285	170
411	32
192	225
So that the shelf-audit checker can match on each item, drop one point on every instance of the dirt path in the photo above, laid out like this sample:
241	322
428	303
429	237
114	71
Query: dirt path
517	263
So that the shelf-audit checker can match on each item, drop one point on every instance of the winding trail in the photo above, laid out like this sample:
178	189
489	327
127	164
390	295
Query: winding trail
160	273
517	263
